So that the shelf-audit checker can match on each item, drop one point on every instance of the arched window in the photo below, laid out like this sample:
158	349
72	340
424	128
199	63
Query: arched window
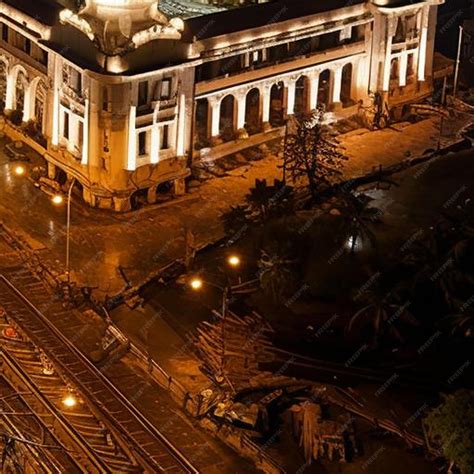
227	119
277	115
346	86
20	91
302	96
40	105
324	88
252	112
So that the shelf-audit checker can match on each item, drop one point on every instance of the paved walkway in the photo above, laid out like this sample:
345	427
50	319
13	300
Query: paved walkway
142	242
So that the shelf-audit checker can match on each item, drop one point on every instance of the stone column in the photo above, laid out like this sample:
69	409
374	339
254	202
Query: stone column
51	171
151	195
336	87
291	96
313	91
85	137
266	104
55	112
423	45
391	29
10	92
403	69
241	103
155	144
131	161
179	187
29	102
357	73
215	105
181	126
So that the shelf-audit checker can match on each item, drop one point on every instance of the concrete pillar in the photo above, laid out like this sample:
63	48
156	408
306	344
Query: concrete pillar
391	29
336	85
356	73
57	78
241	103
313	91
85	137
179	187
122	204
403	69
51	171
10	92
181	130
291	95
215	117
266	104
155	144
29	103
131	162
422	49
151	195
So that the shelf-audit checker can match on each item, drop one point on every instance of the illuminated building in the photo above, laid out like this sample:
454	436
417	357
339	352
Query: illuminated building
124	95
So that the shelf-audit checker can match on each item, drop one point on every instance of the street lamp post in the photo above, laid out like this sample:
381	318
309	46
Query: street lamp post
57	200
68	229
198	283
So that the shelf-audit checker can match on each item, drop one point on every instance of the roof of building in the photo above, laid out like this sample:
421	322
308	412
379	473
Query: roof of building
205	21
45	11
246	18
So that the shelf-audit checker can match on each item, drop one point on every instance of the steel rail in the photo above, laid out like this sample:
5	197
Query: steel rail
71	432
53	336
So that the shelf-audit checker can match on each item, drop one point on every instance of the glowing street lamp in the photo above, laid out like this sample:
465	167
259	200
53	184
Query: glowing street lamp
20	170
196	284
69	401
57	200
233	261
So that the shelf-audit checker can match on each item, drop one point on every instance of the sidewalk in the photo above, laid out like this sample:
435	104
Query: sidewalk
140	243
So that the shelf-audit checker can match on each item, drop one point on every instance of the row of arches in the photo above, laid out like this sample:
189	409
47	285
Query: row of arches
264	106
25	99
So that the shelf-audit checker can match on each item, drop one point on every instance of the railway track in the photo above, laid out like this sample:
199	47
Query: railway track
131	443
34	443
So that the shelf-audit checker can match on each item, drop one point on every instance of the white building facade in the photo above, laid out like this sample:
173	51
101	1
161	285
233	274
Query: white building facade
124	95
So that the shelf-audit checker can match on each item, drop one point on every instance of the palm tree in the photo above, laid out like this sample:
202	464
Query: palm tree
383	311
270	201
280	261
359	218
438	260
236	222
461	324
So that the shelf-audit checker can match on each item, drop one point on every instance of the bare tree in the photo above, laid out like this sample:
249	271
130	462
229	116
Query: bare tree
310	152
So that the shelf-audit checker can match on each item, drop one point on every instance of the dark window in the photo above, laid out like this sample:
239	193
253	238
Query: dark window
105	99
66	126
75	80
5	33
165	138
142	94
329	40
81	134
142	143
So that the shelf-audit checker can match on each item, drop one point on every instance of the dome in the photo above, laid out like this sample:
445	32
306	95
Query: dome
135	10
393	3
